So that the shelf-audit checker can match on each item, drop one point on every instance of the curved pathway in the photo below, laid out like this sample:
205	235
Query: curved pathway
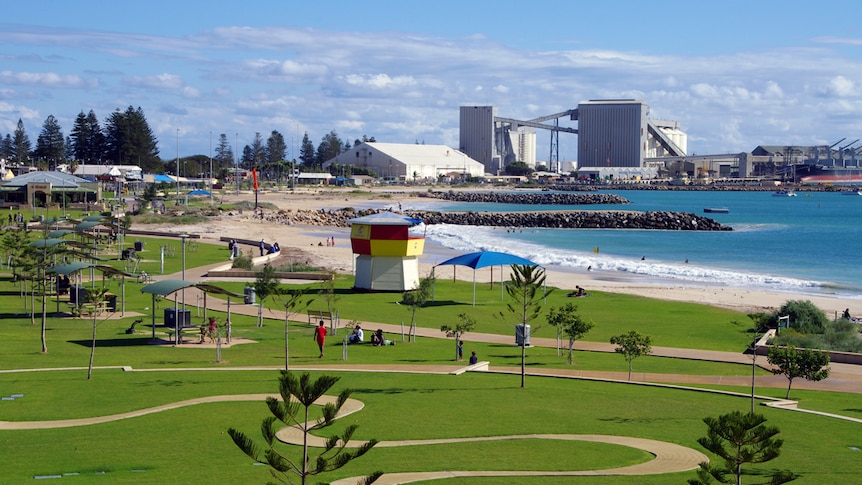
669	457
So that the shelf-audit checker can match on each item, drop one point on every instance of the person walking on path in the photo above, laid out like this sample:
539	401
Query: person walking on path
262	247
320	337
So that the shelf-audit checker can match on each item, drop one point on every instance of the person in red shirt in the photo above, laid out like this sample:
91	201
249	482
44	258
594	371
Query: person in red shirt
320	336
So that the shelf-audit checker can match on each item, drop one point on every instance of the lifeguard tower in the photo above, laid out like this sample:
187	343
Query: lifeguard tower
388	246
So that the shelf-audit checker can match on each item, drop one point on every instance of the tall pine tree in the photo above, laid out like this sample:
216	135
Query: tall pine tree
130	141
20	145
50	146
306	151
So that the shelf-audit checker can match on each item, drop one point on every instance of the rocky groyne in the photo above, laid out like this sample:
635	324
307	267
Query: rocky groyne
545	198
659	220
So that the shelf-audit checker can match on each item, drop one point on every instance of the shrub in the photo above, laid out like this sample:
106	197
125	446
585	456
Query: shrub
242	262
804	316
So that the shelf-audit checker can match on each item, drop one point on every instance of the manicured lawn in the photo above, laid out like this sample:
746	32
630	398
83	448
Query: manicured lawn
398	406
190	445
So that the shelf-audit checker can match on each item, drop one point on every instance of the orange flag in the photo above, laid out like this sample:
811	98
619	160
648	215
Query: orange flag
254	178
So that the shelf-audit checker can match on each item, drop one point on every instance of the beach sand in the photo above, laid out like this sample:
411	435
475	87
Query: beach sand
310	241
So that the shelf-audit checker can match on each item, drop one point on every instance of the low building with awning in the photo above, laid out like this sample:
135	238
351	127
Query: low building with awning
42	189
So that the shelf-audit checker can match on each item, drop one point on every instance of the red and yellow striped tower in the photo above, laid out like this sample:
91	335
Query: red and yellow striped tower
388	246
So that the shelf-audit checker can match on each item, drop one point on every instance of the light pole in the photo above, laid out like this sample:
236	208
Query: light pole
211	167
753	366
178	165
183	238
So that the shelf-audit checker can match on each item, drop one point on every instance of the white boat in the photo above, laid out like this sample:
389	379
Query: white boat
716	210
852	192
784	193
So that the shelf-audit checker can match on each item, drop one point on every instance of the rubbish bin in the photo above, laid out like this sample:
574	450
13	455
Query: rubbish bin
139	245
522	338
127	253
181	316
78	295
249	295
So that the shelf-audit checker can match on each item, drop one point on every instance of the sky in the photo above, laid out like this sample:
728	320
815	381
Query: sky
734	74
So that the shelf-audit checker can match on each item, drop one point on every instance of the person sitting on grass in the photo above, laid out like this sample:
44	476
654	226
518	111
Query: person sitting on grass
357	336
377	338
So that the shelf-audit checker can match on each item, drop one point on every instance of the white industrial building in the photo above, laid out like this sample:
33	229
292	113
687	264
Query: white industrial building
409	162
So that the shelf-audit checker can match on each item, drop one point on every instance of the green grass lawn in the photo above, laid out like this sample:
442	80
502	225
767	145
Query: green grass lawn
190	445
398	406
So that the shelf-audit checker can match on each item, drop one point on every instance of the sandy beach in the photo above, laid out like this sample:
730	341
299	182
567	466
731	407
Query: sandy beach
310	243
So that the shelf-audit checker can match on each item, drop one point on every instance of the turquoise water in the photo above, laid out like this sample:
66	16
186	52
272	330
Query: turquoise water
809	243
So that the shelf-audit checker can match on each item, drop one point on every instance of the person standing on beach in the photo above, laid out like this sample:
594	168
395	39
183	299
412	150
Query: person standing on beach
320	337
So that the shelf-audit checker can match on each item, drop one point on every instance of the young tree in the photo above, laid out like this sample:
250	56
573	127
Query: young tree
525	281
50	146
632	345
94	297
328	294
811	365
568	322
292	301
265	285
738	439
416	299
297	396
464	325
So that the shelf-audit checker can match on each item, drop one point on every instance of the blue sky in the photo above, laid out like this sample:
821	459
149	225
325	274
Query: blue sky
734	74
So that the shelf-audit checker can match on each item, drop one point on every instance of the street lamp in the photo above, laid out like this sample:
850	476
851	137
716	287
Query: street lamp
178	165
211	167
183	238
236	167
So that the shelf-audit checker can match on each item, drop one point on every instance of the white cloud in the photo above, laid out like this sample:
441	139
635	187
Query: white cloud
159	81
46	79
379	81
841	87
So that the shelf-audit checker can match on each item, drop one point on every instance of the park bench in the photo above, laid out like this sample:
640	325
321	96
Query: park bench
196	330
315	315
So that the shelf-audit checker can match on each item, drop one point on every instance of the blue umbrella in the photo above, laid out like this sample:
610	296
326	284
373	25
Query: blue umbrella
483	259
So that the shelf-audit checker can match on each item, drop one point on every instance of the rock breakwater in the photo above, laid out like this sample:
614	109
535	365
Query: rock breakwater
658	220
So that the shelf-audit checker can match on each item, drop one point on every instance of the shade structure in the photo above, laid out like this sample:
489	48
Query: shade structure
166	287
482	259
200	192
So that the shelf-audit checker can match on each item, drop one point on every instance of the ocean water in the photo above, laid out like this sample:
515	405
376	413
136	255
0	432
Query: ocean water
809	244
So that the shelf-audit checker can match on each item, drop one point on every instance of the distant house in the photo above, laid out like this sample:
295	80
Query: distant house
409	162
130	173
48	188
